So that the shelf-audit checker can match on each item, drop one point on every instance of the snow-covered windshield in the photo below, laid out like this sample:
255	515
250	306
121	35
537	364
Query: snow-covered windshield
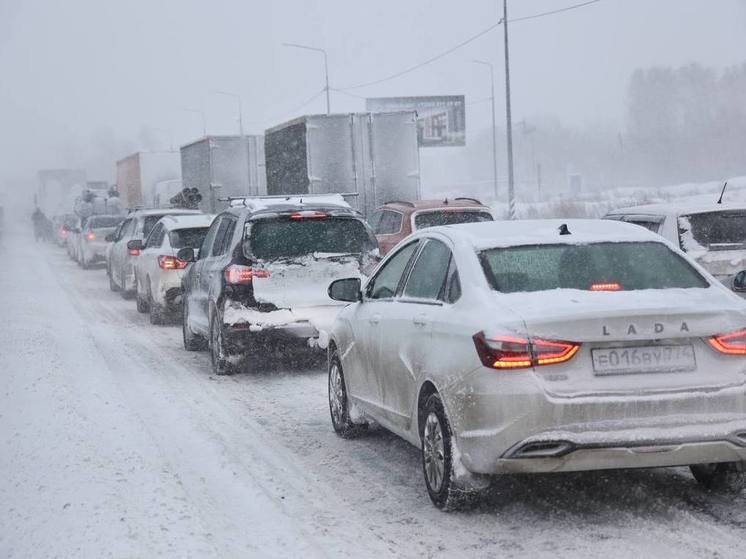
288	238
597	267
714	230
449	217
192	238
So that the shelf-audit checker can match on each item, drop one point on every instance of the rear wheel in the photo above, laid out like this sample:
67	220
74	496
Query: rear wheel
156	312
113	286
219	352
726	477
339	404
192	341
142	303
446	491
123	287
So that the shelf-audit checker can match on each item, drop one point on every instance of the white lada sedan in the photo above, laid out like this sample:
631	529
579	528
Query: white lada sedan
543	346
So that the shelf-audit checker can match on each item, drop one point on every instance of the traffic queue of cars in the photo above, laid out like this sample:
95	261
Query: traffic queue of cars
493	347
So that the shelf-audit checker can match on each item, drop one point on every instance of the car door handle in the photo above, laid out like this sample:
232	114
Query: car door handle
375	319
420	319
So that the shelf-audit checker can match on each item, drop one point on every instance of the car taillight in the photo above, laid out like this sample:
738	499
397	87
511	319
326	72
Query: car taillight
171	263
133	251
606	287
731	344
509	352
236	274
308	214
90	236
63	233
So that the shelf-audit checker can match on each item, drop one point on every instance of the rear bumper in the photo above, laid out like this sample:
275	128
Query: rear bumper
520	429
306	323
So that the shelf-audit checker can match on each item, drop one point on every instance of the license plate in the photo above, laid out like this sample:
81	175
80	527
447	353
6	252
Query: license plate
643	359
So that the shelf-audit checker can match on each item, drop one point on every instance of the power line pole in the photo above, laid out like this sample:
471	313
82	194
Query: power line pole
326	68
509	118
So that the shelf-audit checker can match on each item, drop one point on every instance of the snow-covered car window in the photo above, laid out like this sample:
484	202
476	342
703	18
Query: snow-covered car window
450	217
285	238
390	223
597	266
653	226
385	284
713	230
429	271
192	238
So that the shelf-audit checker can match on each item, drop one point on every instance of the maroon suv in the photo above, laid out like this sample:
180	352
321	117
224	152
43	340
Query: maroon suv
395	220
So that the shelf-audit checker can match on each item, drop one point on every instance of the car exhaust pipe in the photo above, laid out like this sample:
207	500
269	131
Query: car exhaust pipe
541	449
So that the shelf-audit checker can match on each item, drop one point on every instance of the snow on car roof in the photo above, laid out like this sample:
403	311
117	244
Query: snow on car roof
490	234
683	207
187	221
162	211
263	203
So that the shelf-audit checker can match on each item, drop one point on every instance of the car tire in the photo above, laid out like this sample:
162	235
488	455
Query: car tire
446	492
156	312
124	292
141	302
219	353
724	477
112	286
192	341
339	407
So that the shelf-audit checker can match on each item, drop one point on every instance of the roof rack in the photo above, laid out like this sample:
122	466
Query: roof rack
402	202
469	199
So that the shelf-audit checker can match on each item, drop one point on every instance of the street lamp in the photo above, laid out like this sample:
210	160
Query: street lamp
240	108
494	125
326	68
202	114
508	117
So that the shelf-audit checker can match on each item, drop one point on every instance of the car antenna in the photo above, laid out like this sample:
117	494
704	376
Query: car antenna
563	230
720	200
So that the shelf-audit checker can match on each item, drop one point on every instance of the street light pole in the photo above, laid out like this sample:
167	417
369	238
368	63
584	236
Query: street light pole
326	68
509	118
494	124
240	108
202	114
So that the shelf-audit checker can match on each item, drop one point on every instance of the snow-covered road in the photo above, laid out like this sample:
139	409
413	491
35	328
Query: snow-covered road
116	442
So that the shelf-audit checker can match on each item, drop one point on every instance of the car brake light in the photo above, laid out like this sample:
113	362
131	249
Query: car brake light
606	287
308	214
63	233
731	344
509	352
133	251
90	236
243	275
171	263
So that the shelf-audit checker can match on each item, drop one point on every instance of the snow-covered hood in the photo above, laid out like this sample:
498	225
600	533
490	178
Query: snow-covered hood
304	281
586	316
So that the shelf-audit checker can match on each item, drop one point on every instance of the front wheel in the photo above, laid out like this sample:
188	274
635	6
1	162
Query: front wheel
221	357
157	315
142	303
726	477
192	341
339	403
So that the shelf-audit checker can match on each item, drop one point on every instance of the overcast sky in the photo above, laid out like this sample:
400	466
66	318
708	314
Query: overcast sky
80	80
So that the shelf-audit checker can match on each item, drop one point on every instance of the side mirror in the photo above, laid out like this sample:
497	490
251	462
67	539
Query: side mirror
347	290
135	244
186	254
111	237
739	281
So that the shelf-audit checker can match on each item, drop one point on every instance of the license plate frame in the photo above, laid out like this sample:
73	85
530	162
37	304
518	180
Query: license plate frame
643	359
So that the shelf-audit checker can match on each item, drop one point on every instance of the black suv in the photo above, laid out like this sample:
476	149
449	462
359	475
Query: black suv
262	275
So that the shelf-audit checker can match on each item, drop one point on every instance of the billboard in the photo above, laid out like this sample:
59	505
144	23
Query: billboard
441	119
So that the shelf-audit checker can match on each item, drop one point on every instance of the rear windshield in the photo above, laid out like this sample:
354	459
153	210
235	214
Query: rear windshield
449	217
101	221
286	238
183	238
713	230
598	266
